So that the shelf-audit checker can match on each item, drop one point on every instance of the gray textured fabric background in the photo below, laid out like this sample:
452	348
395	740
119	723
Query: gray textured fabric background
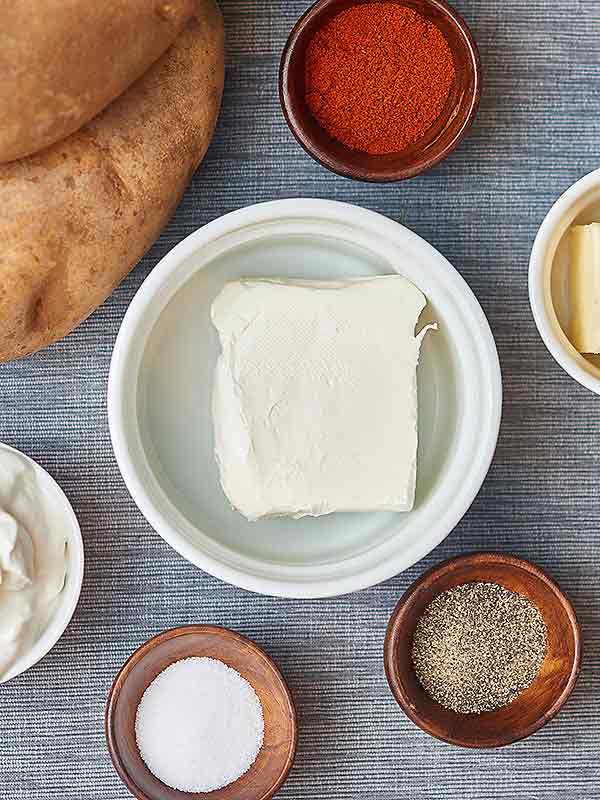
537	131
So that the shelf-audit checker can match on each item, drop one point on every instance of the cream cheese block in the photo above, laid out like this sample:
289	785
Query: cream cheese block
315	395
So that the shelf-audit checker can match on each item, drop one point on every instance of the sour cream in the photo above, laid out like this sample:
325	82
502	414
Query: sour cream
33	558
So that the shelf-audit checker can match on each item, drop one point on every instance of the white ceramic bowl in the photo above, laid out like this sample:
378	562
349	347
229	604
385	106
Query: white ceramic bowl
69	596
549	277
161	381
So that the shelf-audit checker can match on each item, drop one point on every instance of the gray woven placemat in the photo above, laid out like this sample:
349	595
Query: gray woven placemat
537	131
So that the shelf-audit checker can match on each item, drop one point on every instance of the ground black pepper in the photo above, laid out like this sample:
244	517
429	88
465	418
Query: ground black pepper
477	646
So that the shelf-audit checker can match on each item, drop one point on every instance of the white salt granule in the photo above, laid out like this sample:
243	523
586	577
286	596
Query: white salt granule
199	725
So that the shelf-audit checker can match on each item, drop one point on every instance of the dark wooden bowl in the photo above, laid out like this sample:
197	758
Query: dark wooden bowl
435	145
536	706
275	759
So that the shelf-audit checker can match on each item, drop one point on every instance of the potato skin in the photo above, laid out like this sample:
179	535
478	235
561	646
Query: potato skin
63	61
75	218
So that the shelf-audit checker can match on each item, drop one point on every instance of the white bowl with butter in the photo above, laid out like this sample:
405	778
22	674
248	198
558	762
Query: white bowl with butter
41	562
161	391
550	278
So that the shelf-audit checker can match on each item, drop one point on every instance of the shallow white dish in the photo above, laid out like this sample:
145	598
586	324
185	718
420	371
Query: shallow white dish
69	596
549	277
160	391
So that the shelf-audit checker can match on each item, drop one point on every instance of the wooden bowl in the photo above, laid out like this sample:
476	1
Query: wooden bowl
275	759
444	135
532	709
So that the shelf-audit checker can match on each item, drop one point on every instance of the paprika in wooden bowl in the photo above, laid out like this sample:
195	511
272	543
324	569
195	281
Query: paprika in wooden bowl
380	90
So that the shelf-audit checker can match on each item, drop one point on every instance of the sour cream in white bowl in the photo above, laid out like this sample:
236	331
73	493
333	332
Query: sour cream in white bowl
161	386
41	562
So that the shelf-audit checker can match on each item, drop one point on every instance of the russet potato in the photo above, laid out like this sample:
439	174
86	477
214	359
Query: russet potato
63	61
75	218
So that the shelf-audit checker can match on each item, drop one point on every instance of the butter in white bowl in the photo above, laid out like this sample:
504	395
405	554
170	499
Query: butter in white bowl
315	395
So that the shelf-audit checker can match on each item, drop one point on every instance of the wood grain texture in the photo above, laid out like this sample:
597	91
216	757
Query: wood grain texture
534	707
63	61
75	218
438	142
276	756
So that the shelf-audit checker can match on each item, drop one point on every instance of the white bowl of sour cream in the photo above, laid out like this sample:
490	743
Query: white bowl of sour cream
41	562
162	380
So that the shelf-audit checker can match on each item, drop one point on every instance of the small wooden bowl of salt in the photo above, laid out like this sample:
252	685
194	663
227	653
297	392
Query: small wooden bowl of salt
204	709
483	650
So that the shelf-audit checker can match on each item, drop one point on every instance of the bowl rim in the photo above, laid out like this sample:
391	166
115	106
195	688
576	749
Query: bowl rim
65	610
156	641
155	292
438	571
545	318
338	166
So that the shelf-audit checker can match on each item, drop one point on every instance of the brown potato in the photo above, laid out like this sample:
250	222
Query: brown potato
62	62
75	218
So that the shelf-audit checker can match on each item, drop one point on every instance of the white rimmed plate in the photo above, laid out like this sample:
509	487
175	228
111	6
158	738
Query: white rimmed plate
64	516
161	381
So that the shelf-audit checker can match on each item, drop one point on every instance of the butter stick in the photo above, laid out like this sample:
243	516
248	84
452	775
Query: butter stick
585	287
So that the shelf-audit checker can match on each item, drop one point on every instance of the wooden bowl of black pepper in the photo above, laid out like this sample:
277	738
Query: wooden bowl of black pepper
530	709
380	90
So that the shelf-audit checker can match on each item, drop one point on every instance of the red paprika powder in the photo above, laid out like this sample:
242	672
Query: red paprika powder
377	76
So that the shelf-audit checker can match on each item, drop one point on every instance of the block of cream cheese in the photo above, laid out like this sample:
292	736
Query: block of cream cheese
585	287
315	395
